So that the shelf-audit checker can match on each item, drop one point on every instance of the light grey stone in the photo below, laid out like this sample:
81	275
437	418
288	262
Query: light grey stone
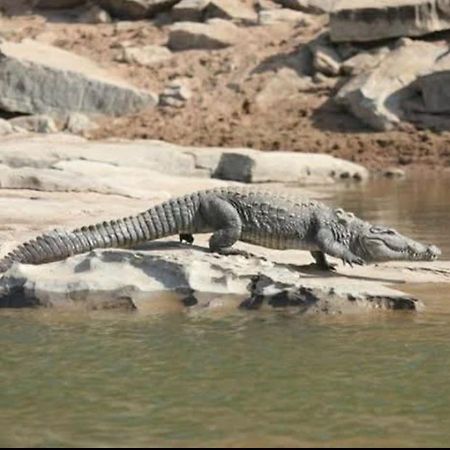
253	166
176	94
56	4
148	55
166	277
215	34
231	10
309	6
40	79
94	14
377	97
327	61
369	20
189	10
36	124
81	124
136	9
274	16
5	127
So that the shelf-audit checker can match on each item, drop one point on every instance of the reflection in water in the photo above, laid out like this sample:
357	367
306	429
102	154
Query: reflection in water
79	378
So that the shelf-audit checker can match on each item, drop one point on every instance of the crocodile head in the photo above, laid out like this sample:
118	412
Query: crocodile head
377	243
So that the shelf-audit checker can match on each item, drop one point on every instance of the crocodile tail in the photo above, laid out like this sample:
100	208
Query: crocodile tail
171	217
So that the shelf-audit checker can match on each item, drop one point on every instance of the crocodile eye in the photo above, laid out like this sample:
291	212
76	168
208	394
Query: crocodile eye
390	232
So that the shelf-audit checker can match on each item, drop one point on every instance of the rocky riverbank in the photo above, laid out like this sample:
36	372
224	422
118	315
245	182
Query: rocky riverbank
303	76
62	181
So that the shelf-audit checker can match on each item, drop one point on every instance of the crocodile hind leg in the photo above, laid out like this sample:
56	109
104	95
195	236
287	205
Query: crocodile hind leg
224	219
321	261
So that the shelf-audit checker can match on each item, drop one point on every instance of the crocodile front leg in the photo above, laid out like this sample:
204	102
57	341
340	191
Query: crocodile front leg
321	261
328	244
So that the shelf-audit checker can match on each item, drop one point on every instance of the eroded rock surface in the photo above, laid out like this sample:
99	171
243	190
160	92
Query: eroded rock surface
197	279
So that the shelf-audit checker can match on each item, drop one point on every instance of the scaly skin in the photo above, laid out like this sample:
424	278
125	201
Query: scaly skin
231	214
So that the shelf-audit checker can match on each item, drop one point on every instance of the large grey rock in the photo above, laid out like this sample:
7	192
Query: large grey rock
215	34
45	151
148	55
377	96
309	6
37	124
253	166
36	78
231	10
369	20
434	88
58	3
167	275
274	16
5	127
189	10
136	9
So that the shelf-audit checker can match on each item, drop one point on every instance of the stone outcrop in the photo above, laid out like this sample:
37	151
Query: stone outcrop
168	274
36	78
273	16
136	9
215	34
148	55
378	96
231	10
189	10
309	6
253	166
369	20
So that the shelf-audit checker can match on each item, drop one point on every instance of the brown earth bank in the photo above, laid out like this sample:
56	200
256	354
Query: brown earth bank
226	107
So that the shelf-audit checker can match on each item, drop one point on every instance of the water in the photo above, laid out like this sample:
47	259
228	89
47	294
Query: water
246	379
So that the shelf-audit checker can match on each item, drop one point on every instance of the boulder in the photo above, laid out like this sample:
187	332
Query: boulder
309	6
148	55
176	94
363	61
274	16
234	10
215	34
253	166
5	127
37	124
370	20
167	274
80	124
189	10
36	78
377	96
136	9
326	60
56	4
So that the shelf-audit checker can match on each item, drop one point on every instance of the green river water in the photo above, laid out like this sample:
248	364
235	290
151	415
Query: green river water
247	379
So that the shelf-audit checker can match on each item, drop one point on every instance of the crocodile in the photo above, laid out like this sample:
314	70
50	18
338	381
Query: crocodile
268	219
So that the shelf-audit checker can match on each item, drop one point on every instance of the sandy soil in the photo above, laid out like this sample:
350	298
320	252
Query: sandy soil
225	83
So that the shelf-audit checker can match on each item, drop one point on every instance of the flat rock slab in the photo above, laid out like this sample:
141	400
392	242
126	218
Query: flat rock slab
253	166
136	9
369	20
37	78
168	273
213	35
